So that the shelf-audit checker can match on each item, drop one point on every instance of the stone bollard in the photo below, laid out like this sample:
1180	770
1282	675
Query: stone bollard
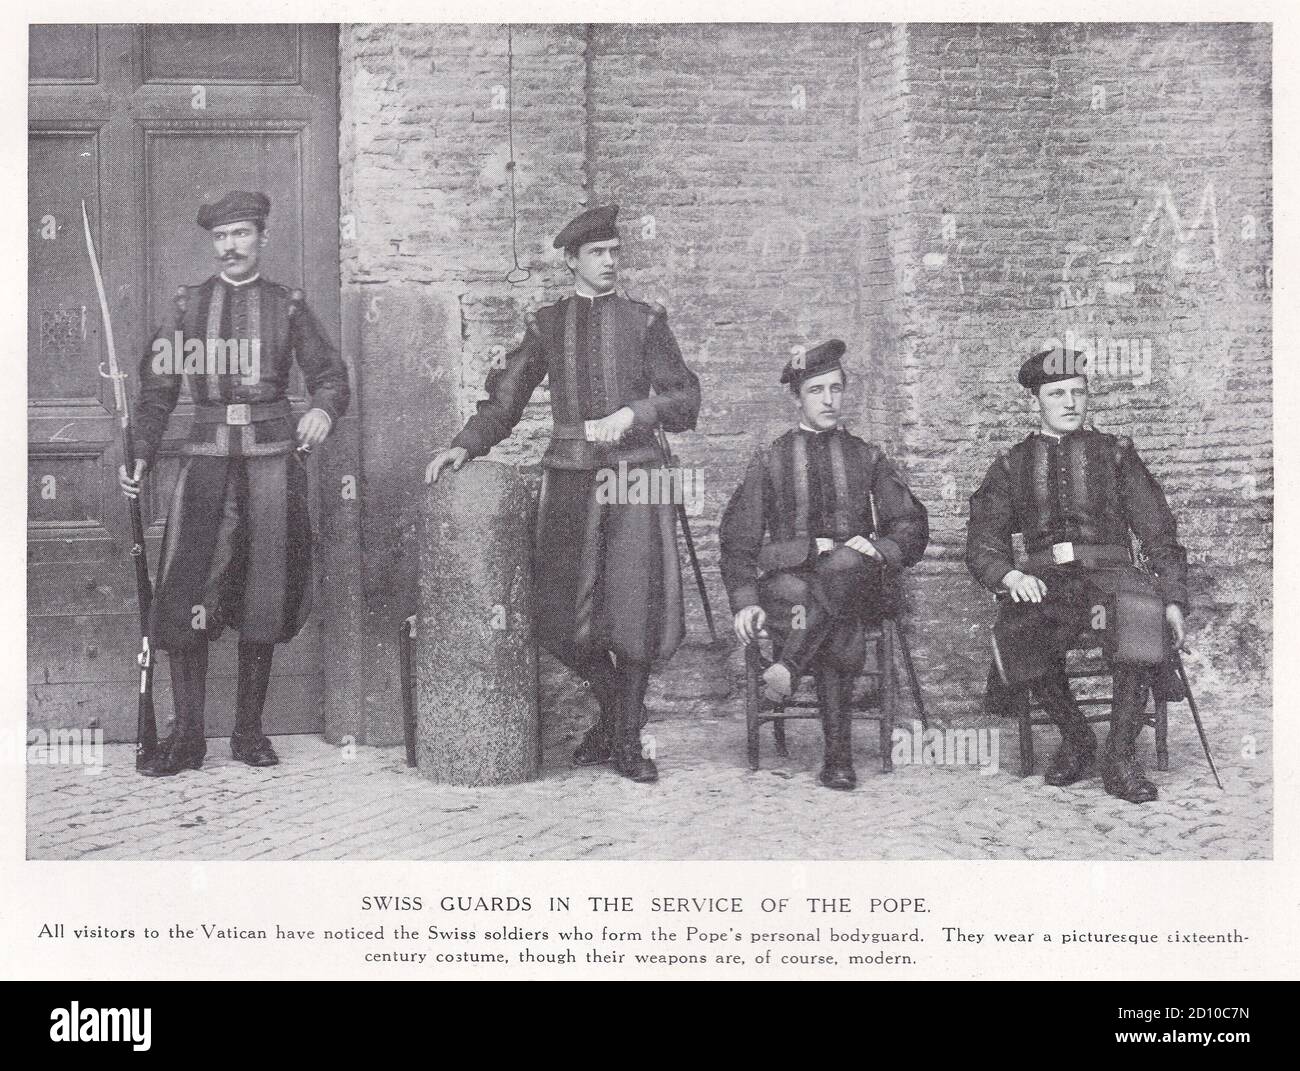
476	663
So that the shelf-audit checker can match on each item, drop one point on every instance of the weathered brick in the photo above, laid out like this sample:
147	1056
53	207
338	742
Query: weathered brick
944	198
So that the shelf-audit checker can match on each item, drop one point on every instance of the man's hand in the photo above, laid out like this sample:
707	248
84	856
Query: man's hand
455	456
1174	616
313	427
611	428
1023	587
131	484
865	547
749	624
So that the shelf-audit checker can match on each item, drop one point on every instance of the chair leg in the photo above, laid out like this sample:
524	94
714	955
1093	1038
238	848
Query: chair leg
778	731
1026	744
751	707
1162	734
888	694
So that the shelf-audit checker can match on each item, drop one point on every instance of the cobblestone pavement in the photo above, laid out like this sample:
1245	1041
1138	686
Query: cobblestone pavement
324	802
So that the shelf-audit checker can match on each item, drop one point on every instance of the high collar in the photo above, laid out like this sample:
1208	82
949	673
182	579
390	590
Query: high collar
1051	436
813	431
237	283
593	298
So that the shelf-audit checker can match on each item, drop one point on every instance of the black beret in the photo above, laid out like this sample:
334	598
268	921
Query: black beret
1052	366
594	225
235	206
813	362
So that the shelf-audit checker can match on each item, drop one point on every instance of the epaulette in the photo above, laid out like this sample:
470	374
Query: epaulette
654	311
1123	445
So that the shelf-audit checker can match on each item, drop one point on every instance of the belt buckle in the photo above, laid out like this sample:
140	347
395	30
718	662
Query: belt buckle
1062	553
239	414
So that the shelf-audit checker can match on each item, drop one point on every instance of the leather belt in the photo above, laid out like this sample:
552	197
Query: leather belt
237	414
1086	554
579	433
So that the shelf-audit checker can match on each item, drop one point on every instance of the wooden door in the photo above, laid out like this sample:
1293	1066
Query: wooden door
145	123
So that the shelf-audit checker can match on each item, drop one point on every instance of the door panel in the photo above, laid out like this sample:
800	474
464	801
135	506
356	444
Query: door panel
146	123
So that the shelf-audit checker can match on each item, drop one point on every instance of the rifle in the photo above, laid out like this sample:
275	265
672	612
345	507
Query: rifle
146	727
690	543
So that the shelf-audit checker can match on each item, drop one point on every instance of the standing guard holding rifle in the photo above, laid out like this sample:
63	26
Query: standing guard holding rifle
608	581
237	546
1076	494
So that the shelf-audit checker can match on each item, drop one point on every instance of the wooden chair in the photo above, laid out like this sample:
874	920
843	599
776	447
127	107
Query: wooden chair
1091	667
1031	712
870	704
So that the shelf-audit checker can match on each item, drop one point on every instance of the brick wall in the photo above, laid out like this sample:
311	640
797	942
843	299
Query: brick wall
942	198
1112	182
427	245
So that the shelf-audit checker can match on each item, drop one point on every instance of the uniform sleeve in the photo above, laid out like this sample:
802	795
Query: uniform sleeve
160	387
740	535
989	553
904	523
675	403
323	369
1150	517
509	387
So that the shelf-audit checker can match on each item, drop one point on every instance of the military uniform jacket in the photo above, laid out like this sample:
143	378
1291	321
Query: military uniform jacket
808	485
260	313
599	354
1086	487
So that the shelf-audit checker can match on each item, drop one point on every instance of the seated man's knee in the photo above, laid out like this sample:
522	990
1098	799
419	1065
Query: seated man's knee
843	560
783	588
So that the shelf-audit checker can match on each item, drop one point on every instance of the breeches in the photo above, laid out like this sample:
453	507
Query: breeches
817	614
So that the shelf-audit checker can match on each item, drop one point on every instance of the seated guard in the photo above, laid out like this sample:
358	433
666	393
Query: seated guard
806	540
1075	494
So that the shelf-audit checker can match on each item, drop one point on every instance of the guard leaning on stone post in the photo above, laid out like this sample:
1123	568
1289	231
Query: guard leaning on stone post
608	583
237	545
812	492
1075	494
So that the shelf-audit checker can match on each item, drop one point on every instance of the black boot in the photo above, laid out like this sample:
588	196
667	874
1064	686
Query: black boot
1071	761
837	768
248	743
597	744
1120	773
184	747
628	757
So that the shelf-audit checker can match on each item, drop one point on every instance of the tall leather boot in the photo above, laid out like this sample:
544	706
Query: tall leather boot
1071	760
628	758
597	744
837	768
248	743
184	747
1120	773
